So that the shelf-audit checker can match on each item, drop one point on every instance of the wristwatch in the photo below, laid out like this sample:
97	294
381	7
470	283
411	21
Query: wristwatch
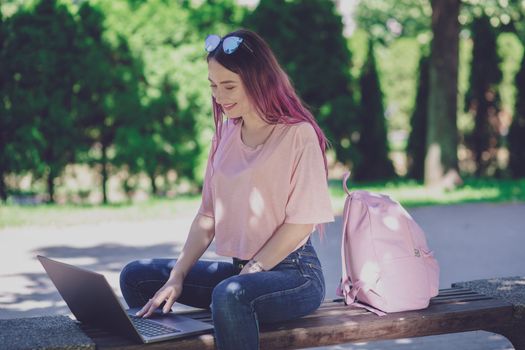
254	266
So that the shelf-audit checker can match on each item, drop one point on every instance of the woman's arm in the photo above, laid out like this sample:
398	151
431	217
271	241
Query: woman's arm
199	239
284	241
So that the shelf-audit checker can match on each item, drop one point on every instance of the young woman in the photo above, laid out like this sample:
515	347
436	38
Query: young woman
265	191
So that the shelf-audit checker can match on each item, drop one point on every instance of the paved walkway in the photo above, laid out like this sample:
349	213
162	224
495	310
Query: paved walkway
470	242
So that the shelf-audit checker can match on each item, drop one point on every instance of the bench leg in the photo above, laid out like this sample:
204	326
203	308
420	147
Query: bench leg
515	333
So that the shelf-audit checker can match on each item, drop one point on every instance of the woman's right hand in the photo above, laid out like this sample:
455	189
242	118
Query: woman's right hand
169	293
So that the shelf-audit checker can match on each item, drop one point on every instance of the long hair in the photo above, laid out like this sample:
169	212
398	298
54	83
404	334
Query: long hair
267	85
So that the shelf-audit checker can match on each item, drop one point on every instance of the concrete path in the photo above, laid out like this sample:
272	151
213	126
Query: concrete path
470	242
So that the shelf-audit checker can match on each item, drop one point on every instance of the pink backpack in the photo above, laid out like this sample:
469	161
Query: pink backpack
387	266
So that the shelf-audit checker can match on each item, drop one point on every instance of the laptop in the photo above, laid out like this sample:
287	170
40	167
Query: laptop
91	299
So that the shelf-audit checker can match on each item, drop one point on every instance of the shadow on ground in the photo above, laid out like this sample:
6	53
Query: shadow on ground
40	297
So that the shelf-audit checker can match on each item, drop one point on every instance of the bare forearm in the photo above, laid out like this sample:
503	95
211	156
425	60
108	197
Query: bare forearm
282	243
199	239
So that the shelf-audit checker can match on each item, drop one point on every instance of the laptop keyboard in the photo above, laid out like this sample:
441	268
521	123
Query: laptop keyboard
151	329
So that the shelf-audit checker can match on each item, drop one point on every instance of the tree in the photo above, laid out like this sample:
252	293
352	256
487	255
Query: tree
386	20
168	39
441	161
4	107
483	99
418	123
306	37
42	86
373	163
108	90
516	137
159	139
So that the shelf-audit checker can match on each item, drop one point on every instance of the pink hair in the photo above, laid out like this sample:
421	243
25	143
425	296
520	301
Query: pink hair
267	85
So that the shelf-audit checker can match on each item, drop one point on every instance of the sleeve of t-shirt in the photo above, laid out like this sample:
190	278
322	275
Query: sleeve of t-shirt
206	207
309	200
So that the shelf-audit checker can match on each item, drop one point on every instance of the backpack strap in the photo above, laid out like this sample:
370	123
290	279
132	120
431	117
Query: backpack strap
345	179
345	277
350	298
349	293
369	308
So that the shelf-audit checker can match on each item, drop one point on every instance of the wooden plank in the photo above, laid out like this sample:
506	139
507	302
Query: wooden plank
439	319
472	296
454	291
336	323
443	294
453	299
457	295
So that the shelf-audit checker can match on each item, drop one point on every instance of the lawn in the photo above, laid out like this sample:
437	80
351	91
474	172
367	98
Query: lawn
413	194
409	193
65	215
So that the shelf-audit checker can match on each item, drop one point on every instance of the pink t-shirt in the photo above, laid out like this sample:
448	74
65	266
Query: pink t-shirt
251	192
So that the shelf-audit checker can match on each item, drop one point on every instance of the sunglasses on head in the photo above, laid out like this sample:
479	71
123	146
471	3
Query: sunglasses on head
229	44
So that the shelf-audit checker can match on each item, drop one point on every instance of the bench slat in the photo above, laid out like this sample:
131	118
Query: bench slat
337	327
454	291
335	323
451	298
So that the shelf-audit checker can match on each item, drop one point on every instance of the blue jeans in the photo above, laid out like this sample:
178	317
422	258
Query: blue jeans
293	288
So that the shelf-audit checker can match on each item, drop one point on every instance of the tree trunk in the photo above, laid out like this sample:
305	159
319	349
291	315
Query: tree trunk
487	135
51	186
104	173
441	163
153	184
3	187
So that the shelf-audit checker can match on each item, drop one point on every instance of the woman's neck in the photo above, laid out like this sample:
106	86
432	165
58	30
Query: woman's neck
253	123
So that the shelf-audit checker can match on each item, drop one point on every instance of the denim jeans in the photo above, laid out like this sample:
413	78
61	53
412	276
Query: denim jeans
293	288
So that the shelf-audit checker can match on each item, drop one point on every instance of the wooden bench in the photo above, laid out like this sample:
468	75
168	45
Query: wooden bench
453	310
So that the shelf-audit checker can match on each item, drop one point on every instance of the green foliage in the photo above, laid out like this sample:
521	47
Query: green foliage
418	122
373	163
465	121
214	16
387	20
397	64
397	59
109	79
397	68
168	38
517	129
159	139
510	50
482	98
122	83
41	52
306	37
508	15
108	90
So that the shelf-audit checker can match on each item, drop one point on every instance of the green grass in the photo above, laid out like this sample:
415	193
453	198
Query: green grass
65	215
414	194
409	193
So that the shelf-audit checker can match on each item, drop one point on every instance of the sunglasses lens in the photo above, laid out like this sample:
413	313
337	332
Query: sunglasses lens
230	44
211	42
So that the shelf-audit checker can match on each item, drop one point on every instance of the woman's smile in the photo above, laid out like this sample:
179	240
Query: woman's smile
229	106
